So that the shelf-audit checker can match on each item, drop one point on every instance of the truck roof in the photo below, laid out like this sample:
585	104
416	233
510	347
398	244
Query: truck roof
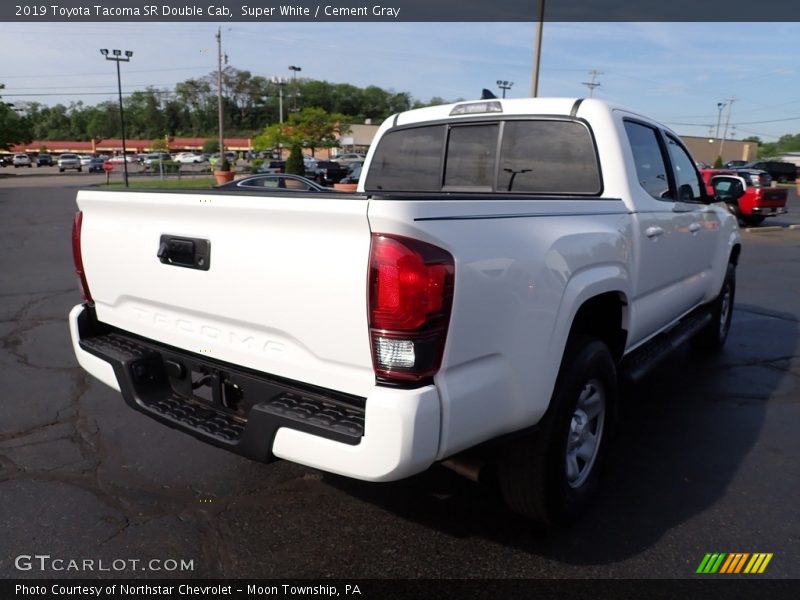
498	106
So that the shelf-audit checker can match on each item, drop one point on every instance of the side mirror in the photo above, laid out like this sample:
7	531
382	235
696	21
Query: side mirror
728	188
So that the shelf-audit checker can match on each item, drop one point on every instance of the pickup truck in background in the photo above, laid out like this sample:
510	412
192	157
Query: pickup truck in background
758	200
503	267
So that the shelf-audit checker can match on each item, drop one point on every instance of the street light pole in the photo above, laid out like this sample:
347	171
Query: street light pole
219	98
504	85
116	56
295	70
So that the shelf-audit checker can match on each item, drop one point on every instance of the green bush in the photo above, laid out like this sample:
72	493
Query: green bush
295	164
211	146
256	163
166	166
718	163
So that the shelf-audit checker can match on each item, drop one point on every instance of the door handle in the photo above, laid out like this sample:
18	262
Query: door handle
695	227
653	231
192	253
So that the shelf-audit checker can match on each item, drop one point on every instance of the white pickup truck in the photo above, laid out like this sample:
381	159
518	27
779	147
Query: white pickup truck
503	266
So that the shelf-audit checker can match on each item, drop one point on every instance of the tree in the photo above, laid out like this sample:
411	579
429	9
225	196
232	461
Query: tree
159	145
13	128
210	146
274	136
311	128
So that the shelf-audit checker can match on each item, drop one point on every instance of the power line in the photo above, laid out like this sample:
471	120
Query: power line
51	75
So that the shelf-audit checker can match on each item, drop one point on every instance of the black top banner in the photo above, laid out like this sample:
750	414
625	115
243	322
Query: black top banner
397	10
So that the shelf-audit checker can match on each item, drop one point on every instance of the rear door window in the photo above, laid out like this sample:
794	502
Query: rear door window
687	179
651	168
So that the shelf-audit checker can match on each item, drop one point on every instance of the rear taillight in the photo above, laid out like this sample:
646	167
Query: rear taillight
410	298
77	257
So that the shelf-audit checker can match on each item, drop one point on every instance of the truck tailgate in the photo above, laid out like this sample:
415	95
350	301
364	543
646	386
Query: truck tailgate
284	292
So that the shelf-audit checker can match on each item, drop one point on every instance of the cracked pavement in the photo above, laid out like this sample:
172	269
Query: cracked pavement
705	458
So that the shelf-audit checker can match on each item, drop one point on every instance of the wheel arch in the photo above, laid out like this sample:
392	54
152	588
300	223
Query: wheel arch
603	317
595	303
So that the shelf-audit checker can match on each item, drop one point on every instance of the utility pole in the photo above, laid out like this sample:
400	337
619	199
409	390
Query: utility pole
219	93
720	106
537	54
730	100
592	84
280	82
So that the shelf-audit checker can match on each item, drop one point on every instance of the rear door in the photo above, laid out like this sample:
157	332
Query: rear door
672	261
283	289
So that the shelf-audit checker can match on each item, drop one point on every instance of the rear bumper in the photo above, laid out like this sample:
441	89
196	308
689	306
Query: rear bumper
389	435
769	211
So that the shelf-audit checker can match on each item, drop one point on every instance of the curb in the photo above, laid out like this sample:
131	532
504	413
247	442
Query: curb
770	228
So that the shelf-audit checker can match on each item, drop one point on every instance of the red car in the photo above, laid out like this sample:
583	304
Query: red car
759	201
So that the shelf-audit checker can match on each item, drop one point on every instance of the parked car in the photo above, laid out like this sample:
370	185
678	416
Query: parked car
85	159
733	164
69	161
6	161
22	160
118	160
153	157
310	165
45	160
189	158
273	166
95	164
256	183
778	170
346	159
230	155
330	172
757	200
353	173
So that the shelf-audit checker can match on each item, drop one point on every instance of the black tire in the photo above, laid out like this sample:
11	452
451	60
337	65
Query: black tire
713	335
61	170
753	220
80	169
533	472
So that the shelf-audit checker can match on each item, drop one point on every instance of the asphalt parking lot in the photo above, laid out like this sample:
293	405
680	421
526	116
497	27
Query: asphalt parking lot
705	460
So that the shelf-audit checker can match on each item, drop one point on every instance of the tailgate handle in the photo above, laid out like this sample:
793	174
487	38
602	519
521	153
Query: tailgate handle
180	251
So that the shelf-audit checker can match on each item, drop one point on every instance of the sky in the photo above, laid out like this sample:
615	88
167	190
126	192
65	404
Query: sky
676	73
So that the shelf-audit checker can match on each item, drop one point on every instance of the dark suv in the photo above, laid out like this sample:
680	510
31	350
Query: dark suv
45	160
779	171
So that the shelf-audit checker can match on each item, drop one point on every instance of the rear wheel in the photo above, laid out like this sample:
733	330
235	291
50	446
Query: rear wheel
713	335
551	476
753	220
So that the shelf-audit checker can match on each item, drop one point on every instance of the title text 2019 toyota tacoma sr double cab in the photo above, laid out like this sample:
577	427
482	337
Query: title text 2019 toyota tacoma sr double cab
504	263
